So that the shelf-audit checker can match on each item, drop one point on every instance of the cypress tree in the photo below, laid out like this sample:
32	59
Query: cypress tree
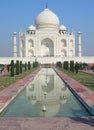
76	67
17	68
20	66
66	65
29	65
72	66
59	64
25	66
12	68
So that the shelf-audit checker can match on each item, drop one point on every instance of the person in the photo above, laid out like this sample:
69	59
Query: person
93	68
76	67
8	68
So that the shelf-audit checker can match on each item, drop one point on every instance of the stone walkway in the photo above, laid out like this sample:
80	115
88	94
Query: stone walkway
47	123
78	123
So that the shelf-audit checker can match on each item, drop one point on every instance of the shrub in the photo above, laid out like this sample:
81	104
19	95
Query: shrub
35	64
80	66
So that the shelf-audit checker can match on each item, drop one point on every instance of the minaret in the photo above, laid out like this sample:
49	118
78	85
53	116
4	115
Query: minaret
79	45
14	45
46	5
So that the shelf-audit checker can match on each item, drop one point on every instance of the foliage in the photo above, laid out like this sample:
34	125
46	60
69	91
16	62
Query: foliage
29	65
59	64
12	68
66	65
25	66
76	67
35	64
72	66
17	68
80	66
20	66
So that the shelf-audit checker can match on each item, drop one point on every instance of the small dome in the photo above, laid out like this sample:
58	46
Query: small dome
62	27
79	32
14	33
30	28
47	19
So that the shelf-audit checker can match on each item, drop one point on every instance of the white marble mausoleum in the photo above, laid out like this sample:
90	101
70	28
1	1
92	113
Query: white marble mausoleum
47	41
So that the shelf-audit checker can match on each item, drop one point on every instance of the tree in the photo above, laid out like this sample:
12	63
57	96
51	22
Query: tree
25	66
20	66
76	67
29	65
17	67
59	64
66	65
12	68
72	66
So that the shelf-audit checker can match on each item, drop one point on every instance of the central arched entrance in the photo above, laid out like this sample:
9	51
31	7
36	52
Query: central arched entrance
47	47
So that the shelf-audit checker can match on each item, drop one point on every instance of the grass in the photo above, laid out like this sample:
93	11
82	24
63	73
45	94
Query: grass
83	78
7	80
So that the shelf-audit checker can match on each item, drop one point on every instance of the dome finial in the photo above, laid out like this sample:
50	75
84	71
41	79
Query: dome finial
46	5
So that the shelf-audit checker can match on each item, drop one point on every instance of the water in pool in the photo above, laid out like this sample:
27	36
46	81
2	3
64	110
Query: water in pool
45	96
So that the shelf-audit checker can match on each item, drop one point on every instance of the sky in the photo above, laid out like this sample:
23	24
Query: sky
18	15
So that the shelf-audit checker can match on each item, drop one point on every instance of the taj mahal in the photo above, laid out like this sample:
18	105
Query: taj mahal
48	41
47	38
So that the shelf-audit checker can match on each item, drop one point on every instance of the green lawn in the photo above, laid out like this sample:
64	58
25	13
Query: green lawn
83	78
6	80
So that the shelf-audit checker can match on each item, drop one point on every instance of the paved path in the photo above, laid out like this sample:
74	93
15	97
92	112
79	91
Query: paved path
81	123
47	123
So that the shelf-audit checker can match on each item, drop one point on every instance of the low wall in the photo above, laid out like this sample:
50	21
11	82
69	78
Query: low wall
47	60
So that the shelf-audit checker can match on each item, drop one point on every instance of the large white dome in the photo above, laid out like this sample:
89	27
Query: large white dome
47	19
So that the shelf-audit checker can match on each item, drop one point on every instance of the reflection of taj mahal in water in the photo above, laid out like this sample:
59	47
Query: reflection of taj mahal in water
47	38
49	90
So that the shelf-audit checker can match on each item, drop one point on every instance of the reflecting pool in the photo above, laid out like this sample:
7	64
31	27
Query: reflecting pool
45	96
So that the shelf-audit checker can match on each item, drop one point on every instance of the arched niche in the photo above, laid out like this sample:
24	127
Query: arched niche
63	42
47	47
64	53
71	43
31	43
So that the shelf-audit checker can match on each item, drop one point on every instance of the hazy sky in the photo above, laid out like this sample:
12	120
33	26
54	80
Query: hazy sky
17	15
